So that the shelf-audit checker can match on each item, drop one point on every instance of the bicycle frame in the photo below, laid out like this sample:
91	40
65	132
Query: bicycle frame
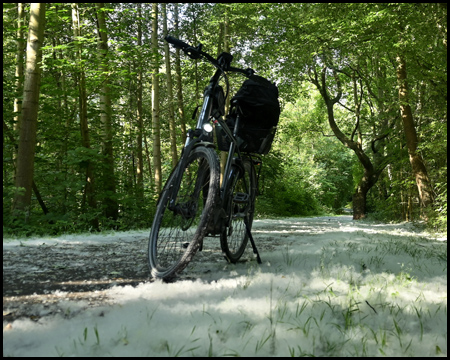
199	137
213	208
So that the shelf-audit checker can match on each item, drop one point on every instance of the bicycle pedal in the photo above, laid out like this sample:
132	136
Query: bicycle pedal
241	198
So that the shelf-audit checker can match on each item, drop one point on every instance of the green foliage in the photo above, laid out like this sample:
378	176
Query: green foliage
316	174
438	217
289	197
308	170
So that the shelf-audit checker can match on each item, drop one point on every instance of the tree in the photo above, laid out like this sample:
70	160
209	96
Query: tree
346	40
19	66
101	99
371	172
173	138
109	181
417	163
180	103
140	162
155	102
89	184
27	137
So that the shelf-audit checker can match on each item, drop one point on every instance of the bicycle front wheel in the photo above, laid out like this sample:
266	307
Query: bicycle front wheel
183	213
240	205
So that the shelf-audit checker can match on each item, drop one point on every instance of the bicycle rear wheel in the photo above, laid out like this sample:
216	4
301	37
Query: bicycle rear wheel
182	216
240	205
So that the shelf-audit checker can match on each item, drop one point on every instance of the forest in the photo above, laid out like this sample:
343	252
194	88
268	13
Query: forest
96	107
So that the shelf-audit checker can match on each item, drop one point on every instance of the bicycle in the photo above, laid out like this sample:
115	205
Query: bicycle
193	204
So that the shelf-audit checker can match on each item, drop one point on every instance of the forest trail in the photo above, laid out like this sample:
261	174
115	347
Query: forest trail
65	285
47	270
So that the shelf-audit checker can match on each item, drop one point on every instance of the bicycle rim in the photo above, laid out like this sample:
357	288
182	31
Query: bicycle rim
181	219
234	238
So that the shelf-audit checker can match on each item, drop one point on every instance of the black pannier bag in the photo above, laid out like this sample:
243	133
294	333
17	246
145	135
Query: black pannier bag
256	103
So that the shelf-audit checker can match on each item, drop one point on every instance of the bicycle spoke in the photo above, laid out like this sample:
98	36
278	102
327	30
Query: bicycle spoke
182	214
241	195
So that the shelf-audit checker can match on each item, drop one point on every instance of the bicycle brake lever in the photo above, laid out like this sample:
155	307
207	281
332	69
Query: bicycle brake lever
192	52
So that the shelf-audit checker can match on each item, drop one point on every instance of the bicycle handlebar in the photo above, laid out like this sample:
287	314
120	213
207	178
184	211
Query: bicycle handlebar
222	62
192	52
176	42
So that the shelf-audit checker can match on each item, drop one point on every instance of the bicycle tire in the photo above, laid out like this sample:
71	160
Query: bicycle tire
234	238
181	219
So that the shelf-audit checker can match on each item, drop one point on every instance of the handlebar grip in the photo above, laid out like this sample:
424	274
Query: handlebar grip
176	42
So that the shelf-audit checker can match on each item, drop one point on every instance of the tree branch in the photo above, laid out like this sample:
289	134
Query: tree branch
382	136
345	107
339	85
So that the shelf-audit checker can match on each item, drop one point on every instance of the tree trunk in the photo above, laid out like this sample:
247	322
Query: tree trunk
64	109
368	180
19	71
371	173
8	133
39	198
27	135
147	154
417	163
89	186
109	181
178	79
155	102
140	162
173	135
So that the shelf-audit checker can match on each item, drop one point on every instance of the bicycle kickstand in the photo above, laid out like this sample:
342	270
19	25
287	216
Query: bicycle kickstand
255	250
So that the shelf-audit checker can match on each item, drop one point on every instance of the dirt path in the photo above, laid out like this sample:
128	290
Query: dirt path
37	278
43	275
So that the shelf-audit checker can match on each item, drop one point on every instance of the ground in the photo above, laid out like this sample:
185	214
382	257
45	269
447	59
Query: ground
327	286
33	273
38	274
